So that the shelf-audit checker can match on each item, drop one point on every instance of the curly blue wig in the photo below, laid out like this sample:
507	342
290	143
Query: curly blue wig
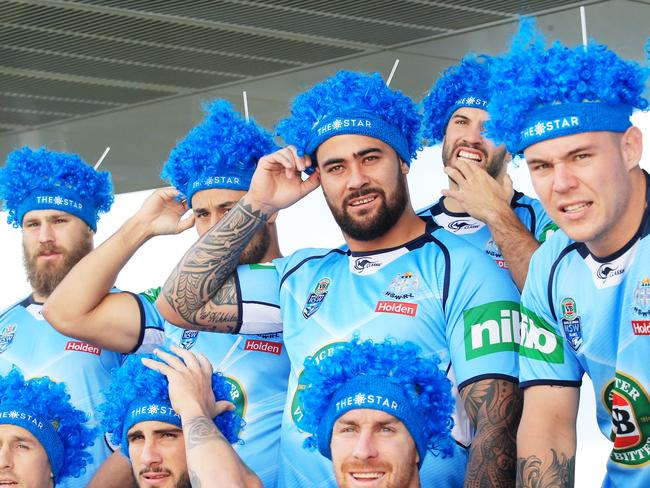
43	408
463	85
48	180
221	152
540	93
353	103
384	376
139	394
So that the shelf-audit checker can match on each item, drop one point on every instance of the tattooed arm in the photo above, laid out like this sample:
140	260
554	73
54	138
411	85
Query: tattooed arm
546	440
494	407
201	293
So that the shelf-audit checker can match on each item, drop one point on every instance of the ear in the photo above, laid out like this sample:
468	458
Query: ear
632	147
405	168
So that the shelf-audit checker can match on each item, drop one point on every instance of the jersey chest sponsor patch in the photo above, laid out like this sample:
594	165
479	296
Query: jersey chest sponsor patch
82	347
398	297
628	402
612	272
270	347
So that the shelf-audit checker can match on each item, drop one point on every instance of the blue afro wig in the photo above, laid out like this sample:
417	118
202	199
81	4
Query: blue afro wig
133	382
347	95
59	181
463	85
49	401
419	379
221	152
531	76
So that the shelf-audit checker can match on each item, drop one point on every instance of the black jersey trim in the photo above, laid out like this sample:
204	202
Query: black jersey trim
549	285
142	322
488	376
447	278
309	258
526	384
533	219
240	305
257	302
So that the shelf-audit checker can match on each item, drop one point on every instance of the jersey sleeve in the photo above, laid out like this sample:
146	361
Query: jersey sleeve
259	299
482	313
545	226
152	324
544	356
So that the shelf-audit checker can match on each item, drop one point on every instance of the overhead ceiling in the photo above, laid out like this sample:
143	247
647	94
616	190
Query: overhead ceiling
80	75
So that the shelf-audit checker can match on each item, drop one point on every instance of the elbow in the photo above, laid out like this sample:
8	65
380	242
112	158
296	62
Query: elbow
56	317
168	312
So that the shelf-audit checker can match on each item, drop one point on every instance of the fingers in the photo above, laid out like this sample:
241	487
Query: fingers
311	183
186	223
162	368
222	406
288	158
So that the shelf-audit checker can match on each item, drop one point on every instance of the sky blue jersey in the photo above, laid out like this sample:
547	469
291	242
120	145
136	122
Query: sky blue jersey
435	291
582	314
28	341
255	365
528	210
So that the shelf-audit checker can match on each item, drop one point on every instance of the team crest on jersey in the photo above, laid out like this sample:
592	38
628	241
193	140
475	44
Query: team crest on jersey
315	298
629	405
641	307
493	251
7	336
571	323
188	339
403	286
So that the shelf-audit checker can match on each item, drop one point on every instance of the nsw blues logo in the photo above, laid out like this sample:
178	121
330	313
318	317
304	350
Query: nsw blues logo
7	334
571	323
315	298
188	339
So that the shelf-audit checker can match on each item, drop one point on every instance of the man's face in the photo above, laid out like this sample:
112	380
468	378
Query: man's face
23	460
371	448
53	242
364	183
210	206
464	140
584	183
157	452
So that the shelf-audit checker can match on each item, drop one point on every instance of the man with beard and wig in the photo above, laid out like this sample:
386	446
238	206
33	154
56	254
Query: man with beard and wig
586	303
44	439
480	205
55	198
398	275
211	169
173	419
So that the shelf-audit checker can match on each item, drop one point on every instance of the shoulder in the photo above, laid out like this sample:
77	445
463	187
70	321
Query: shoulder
21	304
302	257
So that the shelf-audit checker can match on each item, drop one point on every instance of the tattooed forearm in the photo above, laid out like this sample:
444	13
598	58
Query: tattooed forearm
494	406
200	282
533	473
199	431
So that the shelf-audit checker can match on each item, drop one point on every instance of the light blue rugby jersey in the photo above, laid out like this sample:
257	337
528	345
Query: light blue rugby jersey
583	315
435	291
28	341
528	210
255	364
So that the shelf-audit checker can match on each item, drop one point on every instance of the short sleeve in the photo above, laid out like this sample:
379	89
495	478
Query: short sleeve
259	298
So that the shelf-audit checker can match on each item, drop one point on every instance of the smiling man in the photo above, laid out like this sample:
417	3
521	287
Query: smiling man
480	205
375	410
585	306
55	198
399	275
43	438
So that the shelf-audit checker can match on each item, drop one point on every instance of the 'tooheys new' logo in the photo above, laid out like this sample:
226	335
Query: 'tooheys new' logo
629	405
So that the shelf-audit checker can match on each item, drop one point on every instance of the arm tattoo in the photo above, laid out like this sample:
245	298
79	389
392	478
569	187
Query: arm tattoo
202	282
199	431
494	406
532	473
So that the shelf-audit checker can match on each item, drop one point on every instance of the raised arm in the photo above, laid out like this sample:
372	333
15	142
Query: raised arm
494	408
488	200
82	307
546	440
201	293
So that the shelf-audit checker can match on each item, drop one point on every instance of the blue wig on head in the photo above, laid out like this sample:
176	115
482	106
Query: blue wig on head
348	96
540	93
390	369
135	383
463	85
43	179
66	436
221	152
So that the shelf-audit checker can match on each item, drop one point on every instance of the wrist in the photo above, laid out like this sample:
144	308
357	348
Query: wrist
259	209
135	232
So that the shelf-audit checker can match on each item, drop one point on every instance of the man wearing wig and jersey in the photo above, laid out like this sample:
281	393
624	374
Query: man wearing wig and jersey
585	306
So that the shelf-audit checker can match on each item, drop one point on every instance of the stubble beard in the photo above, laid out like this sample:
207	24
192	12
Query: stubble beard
494	164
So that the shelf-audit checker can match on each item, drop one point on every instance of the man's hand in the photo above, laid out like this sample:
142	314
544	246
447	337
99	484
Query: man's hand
277	181
190	383
482	196
162	213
